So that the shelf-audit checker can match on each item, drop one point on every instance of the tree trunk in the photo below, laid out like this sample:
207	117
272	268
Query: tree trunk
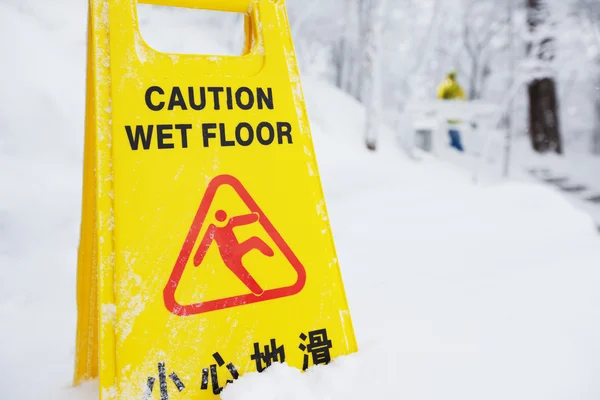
349	47
595	145
543	116
371	74
544	128
596	139
339	51
347	52
510	83
364	13
473	81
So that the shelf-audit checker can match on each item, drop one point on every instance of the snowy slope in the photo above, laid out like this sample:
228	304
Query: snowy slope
457	292
576	175
41	118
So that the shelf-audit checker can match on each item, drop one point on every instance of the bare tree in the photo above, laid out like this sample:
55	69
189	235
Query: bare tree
590	16
471	46
371	78
314	30
347	51
511	79
482	23
544	129
595	137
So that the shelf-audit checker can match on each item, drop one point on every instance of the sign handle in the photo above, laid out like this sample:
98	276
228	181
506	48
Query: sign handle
264	21
239	6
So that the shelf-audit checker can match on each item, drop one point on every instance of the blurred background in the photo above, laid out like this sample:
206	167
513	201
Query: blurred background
528	72
497	48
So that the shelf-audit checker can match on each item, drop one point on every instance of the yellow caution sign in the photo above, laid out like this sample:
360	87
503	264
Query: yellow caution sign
206	251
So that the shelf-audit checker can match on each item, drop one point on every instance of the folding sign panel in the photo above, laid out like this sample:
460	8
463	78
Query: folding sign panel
206	250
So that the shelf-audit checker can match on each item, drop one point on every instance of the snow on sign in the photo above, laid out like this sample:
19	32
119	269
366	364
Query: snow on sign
206	250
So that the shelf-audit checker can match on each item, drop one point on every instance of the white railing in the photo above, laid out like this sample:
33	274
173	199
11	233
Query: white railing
478	127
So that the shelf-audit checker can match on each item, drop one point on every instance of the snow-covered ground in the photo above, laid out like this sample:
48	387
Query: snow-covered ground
575	174
456	291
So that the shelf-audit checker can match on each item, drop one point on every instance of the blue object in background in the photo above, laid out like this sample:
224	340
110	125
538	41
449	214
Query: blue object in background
455	139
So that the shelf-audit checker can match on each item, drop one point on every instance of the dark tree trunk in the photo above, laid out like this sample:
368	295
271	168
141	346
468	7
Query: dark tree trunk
544	127
543	116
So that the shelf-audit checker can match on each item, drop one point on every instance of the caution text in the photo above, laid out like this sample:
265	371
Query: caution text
208	133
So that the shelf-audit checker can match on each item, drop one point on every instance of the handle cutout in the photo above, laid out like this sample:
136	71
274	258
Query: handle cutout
177	30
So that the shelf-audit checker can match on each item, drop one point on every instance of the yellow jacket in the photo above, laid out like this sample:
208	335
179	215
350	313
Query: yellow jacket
449	89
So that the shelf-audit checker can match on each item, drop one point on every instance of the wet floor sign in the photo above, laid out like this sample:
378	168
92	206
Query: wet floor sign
206	251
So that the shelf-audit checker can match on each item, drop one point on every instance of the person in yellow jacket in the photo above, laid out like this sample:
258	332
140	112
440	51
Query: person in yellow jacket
449	89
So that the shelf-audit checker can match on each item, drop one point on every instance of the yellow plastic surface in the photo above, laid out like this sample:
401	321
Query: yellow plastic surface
172	300
240	6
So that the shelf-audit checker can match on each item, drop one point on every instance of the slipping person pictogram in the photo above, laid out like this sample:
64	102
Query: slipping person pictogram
231	250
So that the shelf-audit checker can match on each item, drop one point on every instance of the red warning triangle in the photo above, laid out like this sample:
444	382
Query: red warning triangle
231	251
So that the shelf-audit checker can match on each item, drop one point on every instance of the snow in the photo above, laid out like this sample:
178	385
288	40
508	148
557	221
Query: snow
457	291
575	173
578	169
